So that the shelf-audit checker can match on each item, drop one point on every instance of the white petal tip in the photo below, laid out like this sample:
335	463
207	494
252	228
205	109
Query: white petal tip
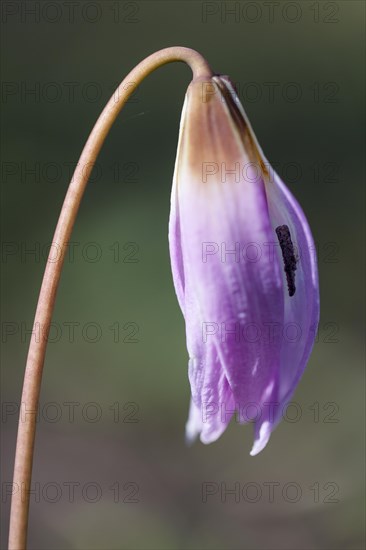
192	432
261	442
190	439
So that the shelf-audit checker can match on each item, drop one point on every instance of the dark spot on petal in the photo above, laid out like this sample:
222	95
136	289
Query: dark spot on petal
288	255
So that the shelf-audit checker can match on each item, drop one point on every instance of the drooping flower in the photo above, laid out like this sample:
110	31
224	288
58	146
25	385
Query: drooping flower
244	269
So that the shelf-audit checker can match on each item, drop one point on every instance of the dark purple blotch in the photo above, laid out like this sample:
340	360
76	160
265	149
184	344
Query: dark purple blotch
288	255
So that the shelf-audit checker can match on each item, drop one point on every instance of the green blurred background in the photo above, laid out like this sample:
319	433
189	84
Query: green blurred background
73	57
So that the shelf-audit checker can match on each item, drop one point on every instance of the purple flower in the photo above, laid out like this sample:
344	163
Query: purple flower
244	269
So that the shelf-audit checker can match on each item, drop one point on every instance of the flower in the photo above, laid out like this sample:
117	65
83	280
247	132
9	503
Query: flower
244	269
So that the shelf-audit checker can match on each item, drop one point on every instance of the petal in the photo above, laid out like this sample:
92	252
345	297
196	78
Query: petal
175	246
227	291
225	207
302	309
262	434
212	401
194	423
210	416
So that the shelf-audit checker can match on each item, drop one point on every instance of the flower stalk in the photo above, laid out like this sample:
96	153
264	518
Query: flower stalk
51	278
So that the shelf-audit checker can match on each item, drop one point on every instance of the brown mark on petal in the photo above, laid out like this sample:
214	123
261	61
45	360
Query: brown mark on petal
215	135
288	255
244	130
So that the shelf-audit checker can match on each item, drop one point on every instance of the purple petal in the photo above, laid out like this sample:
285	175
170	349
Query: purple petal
223	290
212	412
302	309
224	215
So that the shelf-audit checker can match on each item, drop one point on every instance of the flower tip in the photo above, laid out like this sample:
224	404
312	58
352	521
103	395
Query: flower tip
262	439
189	439
191	434
193	425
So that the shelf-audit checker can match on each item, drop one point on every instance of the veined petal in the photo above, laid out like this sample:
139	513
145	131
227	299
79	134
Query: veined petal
225	210
212	412
302	309
175	246
301	314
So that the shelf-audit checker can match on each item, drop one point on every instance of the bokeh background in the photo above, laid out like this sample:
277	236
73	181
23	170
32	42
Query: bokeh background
135	483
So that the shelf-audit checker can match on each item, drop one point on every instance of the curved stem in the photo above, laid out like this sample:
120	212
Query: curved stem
37	348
